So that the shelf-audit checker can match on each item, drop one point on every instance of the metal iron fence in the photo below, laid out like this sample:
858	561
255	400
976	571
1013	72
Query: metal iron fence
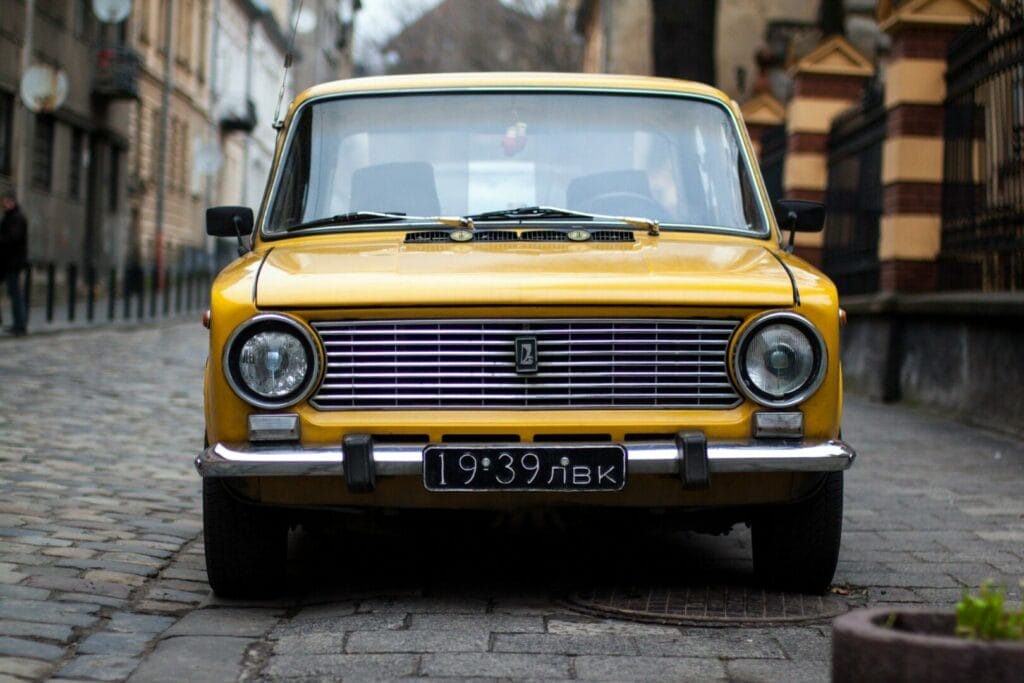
773	159
983	175
70	294
854	198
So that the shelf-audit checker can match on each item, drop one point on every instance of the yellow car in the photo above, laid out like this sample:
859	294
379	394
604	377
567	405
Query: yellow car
509	292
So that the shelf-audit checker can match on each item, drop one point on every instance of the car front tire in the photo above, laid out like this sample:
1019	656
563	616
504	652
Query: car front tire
796	546
246	545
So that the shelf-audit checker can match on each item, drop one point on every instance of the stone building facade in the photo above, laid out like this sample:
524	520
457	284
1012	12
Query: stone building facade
67	163
167	200
166	112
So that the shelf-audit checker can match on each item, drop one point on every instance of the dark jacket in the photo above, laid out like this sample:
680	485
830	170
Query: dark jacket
13	241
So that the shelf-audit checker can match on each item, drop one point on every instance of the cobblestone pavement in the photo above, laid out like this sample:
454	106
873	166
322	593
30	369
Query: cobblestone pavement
101	569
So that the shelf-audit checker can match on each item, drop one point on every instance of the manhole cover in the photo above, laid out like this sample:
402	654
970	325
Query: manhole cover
706	605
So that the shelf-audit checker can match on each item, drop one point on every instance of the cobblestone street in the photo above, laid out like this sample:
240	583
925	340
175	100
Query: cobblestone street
102	577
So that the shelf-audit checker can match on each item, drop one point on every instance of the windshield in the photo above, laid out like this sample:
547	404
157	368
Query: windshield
675	160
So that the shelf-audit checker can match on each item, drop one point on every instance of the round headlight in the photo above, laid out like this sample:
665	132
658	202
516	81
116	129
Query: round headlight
271	361
780	360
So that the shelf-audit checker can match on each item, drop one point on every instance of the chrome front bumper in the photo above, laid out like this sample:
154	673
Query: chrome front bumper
223	460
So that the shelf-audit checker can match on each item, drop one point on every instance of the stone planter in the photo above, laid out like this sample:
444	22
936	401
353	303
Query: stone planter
919	646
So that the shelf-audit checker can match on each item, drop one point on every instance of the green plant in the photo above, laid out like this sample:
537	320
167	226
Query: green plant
985	616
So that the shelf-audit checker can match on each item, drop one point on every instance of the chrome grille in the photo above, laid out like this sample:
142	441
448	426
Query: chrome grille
583	363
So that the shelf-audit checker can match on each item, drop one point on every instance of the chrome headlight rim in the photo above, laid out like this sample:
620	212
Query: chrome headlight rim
277	322
810	385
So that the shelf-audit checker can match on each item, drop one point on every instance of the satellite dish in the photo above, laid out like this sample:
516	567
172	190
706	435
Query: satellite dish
345	12
304	21
206	159
112	11
43	88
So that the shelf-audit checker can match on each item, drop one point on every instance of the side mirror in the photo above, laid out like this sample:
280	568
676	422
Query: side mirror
800	215
229	221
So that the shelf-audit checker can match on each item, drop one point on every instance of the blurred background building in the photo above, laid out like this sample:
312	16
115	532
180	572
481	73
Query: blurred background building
149	111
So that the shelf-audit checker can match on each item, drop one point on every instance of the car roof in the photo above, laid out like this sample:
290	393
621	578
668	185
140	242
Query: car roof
498	80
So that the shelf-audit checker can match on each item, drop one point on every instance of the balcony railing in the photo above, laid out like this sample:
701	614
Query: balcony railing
117	73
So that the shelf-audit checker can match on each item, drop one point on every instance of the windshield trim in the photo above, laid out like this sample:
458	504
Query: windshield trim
292	130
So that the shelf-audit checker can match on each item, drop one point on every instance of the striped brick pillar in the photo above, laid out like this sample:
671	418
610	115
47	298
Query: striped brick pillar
910	233
760	113
826	82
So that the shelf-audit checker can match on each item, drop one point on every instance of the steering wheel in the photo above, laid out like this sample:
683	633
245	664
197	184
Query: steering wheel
623	203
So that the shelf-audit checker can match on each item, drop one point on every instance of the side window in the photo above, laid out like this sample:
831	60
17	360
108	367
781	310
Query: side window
6	128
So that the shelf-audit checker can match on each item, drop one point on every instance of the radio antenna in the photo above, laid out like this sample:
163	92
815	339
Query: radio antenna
289	57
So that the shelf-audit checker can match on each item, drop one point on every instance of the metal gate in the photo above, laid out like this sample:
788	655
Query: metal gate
854	198
773	159
983	174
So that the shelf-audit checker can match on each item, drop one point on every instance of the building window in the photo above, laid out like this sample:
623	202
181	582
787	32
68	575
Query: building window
42	153
144	22
53	10
114	179
183	49
162	36
6	131
76	161
82	21
169	171
183	159
156	172
203	42
140	118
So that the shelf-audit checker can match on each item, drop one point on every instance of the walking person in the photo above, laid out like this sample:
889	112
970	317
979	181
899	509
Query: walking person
14	257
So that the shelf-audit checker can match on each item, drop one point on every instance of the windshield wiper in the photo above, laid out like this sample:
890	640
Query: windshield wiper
652	226
349	218
529	213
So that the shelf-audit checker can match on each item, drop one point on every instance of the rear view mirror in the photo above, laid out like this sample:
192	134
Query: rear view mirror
229	221
800	215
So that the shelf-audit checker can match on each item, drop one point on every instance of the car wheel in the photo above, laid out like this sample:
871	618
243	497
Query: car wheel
796	546
246	545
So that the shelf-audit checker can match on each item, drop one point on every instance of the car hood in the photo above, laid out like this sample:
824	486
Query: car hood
381	270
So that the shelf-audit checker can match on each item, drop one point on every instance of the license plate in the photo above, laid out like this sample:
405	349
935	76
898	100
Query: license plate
524	468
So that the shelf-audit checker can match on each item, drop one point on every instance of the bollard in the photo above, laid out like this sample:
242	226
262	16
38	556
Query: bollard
153	287
26	290
126	288
51	285
72	271
90	296
111	291
177	292
141	289
167	293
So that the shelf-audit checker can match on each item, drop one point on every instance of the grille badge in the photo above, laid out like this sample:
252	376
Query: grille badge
526	355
